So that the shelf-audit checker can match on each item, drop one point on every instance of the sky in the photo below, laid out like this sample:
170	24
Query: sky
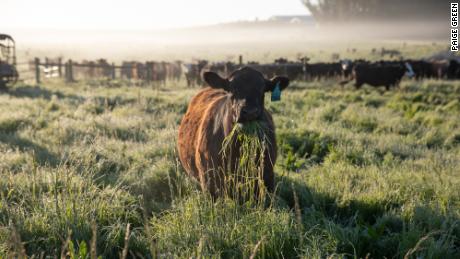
137	14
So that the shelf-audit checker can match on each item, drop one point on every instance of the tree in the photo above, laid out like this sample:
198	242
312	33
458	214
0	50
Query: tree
326	11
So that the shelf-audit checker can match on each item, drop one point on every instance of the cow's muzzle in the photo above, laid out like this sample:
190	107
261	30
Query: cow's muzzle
249	114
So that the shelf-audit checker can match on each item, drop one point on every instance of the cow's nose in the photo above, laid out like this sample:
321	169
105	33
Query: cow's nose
249	113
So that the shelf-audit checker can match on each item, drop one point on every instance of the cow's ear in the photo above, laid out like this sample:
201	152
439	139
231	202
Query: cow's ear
215	81
281	81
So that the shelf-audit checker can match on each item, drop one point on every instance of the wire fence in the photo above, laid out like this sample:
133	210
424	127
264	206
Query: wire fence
70	71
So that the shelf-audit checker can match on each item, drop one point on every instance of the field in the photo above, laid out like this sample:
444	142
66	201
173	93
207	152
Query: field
90	169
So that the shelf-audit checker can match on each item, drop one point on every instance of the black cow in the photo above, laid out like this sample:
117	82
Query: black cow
439	68
192	72
422	69
377	74
293	70
318	71
453	71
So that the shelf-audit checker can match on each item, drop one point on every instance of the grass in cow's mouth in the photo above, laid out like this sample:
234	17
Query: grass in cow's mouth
245	177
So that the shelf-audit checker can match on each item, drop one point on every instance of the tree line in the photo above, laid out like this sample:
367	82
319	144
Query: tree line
326	11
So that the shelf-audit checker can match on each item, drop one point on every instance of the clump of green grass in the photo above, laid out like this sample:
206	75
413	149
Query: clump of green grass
198	227
245	176
303	148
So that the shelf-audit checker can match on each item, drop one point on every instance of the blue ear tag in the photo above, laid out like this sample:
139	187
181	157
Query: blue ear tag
276	93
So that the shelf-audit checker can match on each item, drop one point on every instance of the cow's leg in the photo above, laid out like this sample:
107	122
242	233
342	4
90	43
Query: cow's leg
203	182
269	178
215	183
211	176
358	85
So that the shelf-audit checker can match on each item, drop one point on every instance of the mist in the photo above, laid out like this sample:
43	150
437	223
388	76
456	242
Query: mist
256	40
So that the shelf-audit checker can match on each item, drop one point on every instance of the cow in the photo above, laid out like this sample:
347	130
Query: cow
439	68
293	70
346	67
211	116
174	71
223	68
127	70
422	69
321	70
155	72
105	69
391	52
281	61
192	72
379	74
453	72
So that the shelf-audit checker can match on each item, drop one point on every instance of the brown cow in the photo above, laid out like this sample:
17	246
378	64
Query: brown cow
211	116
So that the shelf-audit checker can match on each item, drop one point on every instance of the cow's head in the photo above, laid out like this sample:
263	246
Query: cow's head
346	64
409	71
247	88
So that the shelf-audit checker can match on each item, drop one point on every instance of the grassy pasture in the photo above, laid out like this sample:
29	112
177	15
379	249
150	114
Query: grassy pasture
360	173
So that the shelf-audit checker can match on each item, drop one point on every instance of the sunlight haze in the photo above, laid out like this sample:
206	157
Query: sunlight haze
138	14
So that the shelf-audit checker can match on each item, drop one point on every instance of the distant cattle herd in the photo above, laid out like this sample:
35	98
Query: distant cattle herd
380	73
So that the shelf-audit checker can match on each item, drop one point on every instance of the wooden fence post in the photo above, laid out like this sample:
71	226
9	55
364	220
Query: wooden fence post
66	71
60	67
113	71
37	70
148	71
69	72
92	70
240	59
66	66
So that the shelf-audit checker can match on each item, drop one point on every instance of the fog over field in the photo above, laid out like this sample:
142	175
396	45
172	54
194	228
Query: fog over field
256	40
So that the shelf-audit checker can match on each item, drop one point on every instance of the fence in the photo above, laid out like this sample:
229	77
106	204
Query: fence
70	71
150	72
58	69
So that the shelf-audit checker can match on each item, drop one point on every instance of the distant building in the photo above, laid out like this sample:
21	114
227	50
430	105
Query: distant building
296	19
